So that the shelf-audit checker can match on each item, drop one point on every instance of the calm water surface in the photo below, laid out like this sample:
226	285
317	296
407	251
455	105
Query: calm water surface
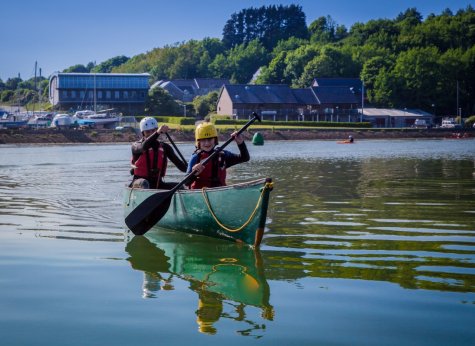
366	244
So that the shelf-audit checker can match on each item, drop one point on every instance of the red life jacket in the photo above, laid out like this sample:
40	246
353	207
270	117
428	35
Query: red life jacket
214	173
151	164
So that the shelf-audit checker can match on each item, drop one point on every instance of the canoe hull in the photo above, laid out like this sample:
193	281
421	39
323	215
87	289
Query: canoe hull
235	212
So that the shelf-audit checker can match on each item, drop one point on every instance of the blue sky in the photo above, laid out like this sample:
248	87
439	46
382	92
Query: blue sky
61	33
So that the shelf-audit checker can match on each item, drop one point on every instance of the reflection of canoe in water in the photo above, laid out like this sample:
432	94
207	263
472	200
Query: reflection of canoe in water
235	212
216	271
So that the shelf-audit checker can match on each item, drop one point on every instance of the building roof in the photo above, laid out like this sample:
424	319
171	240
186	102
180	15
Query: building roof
101	74
210	83
335	95
305	96
395	112
99	80
274	93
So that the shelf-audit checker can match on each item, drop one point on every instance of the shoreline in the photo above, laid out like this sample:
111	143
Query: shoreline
75	136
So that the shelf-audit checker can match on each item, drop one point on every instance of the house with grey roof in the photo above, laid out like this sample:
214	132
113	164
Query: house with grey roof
280	102
328	99
186	90
273	102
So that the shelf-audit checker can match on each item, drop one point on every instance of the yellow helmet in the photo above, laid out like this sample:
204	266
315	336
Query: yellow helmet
205	130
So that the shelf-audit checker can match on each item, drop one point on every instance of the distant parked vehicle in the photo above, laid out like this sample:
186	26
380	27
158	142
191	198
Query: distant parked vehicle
449	124
420	124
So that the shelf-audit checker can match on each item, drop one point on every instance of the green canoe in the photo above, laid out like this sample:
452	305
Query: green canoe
234	212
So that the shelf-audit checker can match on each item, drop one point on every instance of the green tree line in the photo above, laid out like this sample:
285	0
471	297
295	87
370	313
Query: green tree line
404	62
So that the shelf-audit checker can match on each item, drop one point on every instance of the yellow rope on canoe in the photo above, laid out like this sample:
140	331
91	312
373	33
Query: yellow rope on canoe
205	196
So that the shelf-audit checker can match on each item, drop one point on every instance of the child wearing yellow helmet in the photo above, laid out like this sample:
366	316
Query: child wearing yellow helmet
213	174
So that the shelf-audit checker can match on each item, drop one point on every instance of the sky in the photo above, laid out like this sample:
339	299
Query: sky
57	34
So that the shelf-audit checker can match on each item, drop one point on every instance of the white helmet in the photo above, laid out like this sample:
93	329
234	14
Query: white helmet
148	123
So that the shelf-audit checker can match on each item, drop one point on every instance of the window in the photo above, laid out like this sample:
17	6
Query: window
108	94
99	94
116	95
126	95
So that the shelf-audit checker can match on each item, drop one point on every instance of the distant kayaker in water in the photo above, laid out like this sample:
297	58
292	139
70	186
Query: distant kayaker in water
213	174
347	141
150	156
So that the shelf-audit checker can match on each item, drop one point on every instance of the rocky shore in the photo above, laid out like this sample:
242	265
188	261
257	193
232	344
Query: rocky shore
54	136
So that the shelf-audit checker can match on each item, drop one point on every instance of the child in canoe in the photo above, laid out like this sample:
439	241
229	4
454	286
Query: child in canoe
213	174
150	157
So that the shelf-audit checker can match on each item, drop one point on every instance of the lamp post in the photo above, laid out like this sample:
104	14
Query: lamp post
184	110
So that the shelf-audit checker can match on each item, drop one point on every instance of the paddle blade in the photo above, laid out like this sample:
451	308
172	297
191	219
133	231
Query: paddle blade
149	212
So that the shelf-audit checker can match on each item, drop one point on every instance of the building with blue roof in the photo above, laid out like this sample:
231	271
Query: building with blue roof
123	92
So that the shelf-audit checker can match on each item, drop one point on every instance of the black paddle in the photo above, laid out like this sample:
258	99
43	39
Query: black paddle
176	149
152	209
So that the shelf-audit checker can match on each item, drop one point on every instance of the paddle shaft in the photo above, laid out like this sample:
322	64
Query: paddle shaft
175	147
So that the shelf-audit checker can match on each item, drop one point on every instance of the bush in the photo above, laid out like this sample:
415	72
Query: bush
172	120
470	121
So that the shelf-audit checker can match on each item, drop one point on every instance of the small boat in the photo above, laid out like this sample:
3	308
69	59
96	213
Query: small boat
8	120
234	212
62	121
40	119
92	119
345	142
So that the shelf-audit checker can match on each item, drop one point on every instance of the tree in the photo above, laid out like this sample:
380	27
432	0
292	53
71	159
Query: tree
205	104
419	72
290	44
108	65
79	68
384	87
330	63
297	60
274	72
241	62
12	83
371	70
269	25
6	95
325	30
160	102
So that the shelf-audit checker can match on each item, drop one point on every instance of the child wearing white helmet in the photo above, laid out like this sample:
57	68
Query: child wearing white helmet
150	157
213	174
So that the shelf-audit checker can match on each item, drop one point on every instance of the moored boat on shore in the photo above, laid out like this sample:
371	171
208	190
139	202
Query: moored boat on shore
99	119
8	120
234	212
